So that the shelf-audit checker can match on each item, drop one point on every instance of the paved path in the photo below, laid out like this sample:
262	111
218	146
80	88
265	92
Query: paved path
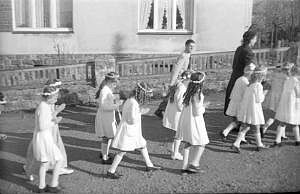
274	170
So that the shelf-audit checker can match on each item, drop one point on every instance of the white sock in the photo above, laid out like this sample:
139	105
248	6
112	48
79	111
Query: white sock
279	133
296	132
241	136
198	153
42	175
105	149
176	146
229	128
55	175
118	158
185	161
145	154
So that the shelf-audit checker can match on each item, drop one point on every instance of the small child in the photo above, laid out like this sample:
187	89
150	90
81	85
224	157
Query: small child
31	164
45	149
250	113
2	102
272	99
191	127
129	134
236	97
105	122
173	111
288	111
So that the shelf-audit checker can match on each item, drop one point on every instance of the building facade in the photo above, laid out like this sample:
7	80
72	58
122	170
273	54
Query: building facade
33	30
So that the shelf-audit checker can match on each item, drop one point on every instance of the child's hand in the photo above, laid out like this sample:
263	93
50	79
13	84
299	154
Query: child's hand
145	110
60	107
206	104
57	119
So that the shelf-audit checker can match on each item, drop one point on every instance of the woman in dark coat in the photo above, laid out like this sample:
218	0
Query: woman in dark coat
243	56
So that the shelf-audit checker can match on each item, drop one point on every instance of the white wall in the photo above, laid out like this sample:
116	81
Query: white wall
105	26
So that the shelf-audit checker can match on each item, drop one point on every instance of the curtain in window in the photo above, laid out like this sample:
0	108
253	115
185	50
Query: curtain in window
21	13
42	11
145	8
64	13
163	13
181	4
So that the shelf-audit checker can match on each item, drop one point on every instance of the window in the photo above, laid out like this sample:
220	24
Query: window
42	15
169	16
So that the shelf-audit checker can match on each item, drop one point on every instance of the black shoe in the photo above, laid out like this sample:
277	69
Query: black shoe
108	161
159	114
244	142
236	149
193	168
153	168
297	143
222	135
113	175
284	138
44	190
52	189
261	148
276	144
187	171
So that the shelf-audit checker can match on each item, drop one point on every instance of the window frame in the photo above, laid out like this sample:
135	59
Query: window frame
31	29
172	31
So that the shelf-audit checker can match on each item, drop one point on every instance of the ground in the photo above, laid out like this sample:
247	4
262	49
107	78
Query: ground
222	171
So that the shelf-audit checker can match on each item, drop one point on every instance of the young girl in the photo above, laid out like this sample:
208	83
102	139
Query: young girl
45	149
173	111
105	122
250	113
129	134
272	99
191	127
2	102
289	107
236	98
31	164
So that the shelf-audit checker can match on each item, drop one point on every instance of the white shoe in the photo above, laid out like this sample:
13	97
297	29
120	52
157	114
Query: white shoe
177	156
66	171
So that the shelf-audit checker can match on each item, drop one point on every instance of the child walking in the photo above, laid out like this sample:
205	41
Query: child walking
191	127
173	111
31	163
288	111
129	134
45	149
105	122
250	113
236	97
273	97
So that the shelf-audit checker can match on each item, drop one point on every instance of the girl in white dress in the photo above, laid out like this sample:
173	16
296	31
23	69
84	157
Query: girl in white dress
250	113
45	149
105	121
2	102
288	111
191	127
173	111
31	164
236	97
129	133
278	78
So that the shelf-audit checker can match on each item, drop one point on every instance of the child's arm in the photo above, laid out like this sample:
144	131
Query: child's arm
259	94
297	89
59	108
198	107
178	99
107	103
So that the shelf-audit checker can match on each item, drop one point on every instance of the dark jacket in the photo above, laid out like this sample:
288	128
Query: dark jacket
243	56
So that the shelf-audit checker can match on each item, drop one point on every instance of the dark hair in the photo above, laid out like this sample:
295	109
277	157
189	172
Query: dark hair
248	36
111	77
185	75
51	81
189	41
1	96
193	88
48	89
142	92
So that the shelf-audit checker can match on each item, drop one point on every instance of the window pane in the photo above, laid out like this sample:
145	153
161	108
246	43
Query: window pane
42	8
146	11
184	14
64	13
164	10
22	13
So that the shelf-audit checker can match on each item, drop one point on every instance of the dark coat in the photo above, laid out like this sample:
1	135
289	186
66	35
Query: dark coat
243	56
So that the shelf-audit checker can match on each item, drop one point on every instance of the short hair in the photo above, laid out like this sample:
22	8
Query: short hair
189	41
